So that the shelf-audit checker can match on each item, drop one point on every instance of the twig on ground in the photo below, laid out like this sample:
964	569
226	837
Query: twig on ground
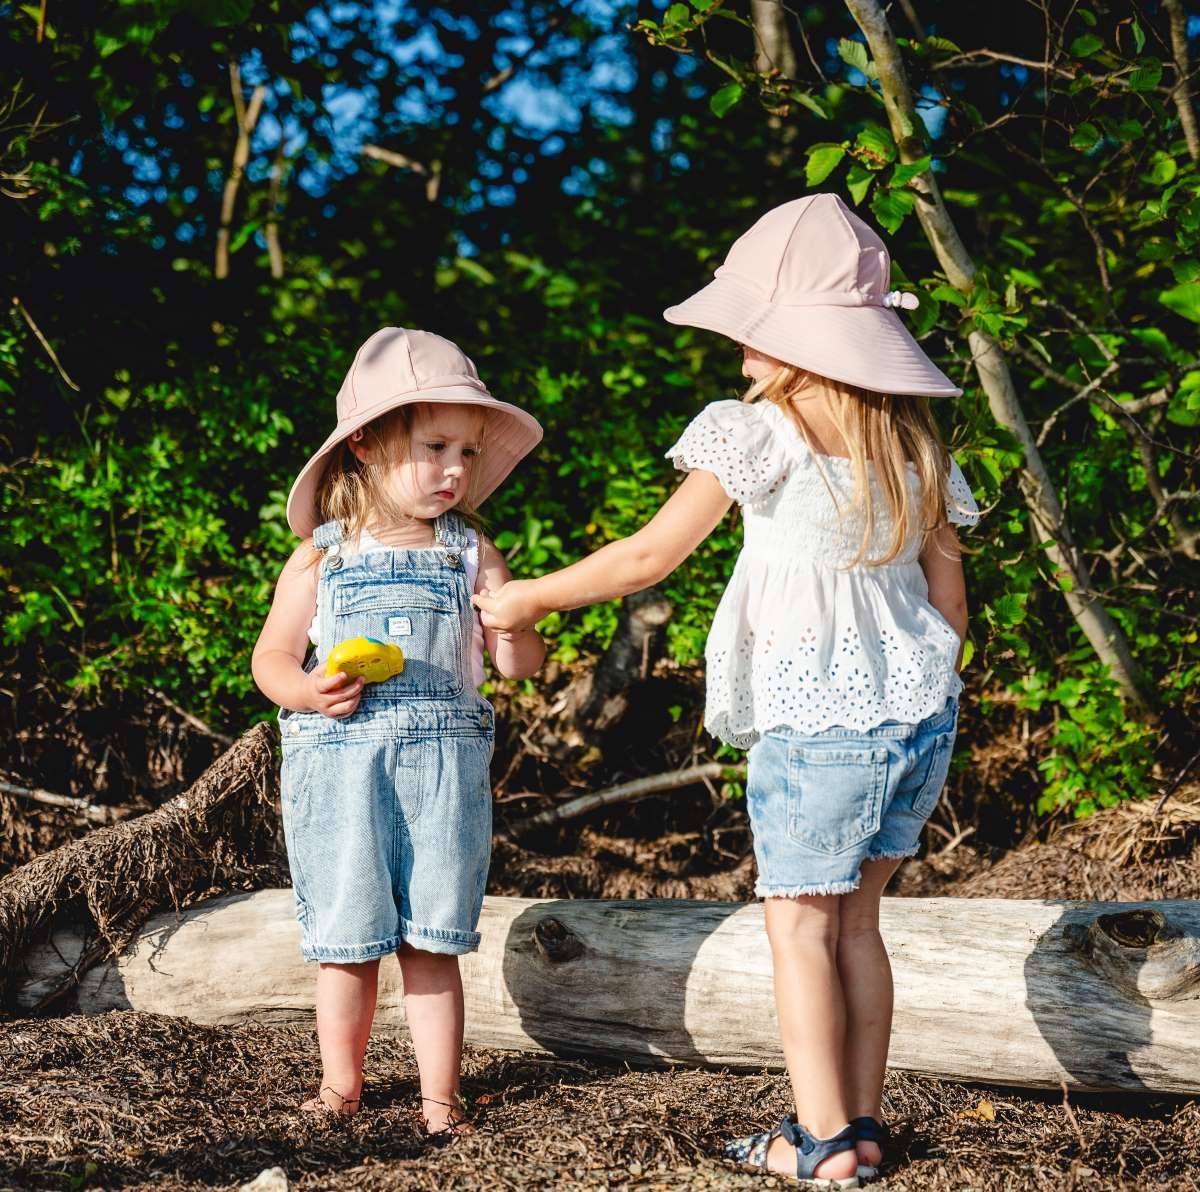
81	807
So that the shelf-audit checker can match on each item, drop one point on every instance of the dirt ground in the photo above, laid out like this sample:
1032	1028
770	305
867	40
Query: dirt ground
132	1100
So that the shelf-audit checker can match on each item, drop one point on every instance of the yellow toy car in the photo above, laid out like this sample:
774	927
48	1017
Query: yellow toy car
375	661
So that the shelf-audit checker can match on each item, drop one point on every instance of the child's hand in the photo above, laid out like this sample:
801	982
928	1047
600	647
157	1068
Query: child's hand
333	695
510	608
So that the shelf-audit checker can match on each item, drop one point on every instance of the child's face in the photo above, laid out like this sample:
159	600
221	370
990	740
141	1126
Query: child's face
444	442
756	364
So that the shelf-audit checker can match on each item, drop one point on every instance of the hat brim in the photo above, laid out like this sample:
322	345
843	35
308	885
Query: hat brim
866	346
512	434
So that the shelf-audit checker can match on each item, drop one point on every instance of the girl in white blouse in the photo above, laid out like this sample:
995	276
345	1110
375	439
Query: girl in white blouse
834	653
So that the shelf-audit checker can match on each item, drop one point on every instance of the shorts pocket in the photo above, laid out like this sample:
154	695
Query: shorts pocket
835	794
935	762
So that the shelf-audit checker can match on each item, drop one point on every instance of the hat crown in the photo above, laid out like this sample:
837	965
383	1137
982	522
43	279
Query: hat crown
811	251
395	361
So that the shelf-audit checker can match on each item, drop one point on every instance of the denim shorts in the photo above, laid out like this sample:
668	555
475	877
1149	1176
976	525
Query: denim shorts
388	821
822	804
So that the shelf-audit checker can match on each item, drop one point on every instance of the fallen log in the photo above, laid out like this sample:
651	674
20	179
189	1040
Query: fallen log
1027	993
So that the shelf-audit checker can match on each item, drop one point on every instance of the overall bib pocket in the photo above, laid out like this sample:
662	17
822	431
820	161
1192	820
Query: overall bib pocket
418	613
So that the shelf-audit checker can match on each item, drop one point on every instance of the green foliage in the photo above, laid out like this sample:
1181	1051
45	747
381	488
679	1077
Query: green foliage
143	501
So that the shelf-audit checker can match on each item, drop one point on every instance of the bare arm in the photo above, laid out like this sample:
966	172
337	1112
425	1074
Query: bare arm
628	565
517	653
941	560
278	659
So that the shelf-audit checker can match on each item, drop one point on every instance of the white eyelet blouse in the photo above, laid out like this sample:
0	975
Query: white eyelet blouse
800	639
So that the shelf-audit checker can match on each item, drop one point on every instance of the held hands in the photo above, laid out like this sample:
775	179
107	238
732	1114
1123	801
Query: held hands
512	608
335	696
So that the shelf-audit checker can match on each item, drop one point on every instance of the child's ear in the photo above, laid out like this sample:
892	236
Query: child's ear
363	451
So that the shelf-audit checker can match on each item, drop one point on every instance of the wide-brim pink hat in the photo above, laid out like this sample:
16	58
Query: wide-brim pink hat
394	368
810	284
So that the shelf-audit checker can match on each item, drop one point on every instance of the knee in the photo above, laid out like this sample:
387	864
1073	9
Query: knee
791	924
855	934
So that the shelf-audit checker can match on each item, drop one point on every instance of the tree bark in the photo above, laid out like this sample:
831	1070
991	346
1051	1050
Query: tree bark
1027	993
1182	93
773	42
1104	634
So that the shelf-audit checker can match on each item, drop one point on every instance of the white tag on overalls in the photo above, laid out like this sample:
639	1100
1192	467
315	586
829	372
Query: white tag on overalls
399	627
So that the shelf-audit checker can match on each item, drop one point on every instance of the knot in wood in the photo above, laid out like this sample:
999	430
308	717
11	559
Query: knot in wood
1135	929
556	941
1144	955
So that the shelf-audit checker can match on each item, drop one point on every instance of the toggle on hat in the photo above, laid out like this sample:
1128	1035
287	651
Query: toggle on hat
809	285
394	368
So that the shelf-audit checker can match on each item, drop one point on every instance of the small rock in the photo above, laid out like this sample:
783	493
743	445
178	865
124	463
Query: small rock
273	1179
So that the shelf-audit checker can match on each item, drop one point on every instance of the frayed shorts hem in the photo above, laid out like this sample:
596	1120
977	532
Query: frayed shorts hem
764	890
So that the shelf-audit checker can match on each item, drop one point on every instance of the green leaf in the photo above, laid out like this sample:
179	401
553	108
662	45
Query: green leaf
1089	43
854	53
1085	137
1139	38
822	161
813	103
243	234
891	206
858	181
1147	75
1183	300
476	270
903	174
1008	610
942	43
677	14
727	98
923	320
945	293
1164	169
876	145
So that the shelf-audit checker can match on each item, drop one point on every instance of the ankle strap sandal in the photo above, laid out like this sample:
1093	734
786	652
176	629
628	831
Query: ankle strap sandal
869	1129
811	1151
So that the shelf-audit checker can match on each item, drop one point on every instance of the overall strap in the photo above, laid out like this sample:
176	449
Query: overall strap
451	531
327	535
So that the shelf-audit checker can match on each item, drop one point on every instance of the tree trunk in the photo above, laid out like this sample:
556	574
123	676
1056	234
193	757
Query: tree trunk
1099	995
773	42
1104	634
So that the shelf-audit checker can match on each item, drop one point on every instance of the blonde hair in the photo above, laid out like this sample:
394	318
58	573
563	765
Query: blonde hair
885	430
354	492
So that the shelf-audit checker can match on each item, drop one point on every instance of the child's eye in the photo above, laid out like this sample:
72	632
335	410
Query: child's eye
436	446
470	452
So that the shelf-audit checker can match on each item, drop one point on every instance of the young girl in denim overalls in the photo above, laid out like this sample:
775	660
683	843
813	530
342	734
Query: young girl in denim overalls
387	804
833	656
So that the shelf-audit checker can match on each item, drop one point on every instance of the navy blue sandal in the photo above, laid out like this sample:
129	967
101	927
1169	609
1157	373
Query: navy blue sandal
868	1129
811	1152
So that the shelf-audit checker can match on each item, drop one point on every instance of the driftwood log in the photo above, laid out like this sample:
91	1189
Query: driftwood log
1028	993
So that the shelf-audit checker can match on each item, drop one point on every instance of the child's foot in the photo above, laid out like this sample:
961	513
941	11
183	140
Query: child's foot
781	1159
329	1100
444	1117
791	1151
869	1133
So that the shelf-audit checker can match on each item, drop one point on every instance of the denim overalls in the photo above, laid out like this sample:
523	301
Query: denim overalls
388	813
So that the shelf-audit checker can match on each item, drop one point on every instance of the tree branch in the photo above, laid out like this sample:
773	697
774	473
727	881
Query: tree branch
247	118
1181	93
1101	630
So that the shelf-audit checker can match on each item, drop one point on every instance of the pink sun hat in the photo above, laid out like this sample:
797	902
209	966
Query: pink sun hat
809	284
394	368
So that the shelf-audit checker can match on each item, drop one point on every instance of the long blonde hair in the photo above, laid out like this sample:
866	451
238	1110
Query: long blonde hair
886	431
354	492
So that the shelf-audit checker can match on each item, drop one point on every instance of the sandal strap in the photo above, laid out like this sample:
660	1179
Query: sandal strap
752	1149
811	1151
869	1129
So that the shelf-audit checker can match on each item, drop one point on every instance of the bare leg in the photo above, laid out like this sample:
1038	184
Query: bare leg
345	1008
866	977
433	1005
812	1022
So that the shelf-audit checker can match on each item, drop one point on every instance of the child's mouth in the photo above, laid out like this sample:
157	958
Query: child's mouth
446	494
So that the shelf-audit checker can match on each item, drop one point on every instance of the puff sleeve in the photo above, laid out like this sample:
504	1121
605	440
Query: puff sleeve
961	509
737	444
